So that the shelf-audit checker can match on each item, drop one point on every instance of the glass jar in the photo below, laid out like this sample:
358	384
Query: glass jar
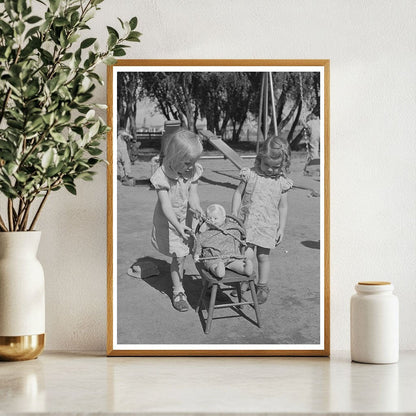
374	323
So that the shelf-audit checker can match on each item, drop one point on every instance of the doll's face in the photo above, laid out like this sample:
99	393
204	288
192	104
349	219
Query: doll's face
216	218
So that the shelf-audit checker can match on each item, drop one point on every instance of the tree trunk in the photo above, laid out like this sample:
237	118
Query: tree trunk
224	124
295	123
283	123
280	105
236	138
316	86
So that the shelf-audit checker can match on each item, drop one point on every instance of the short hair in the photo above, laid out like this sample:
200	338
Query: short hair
183	143
216	208
274	148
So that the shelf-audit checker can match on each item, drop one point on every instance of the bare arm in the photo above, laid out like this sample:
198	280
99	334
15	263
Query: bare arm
283	206
194	202
236	202
170	214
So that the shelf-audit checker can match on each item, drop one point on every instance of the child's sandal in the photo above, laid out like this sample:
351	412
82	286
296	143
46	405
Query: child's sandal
262	293
179	302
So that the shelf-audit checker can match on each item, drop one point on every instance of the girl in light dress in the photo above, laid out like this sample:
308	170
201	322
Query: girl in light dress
261	201
176	183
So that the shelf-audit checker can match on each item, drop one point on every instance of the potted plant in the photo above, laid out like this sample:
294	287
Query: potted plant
50	136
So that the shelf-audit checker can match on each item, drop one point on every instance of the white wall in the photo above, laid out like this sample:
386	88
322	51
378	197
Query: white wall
371	45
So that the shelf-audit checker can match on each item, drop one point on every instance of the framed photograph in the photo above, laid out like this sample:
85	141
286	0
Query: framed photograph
218	208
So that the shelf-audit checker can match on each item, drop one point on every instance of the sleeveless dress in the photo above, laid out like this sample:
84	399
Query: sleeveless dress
165	238
259	207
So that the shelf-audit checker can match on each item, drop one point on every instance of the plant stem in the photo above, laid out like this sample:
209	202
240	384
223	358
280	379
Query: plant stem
21	212
26	216
2	224
10	213
39	209
17	217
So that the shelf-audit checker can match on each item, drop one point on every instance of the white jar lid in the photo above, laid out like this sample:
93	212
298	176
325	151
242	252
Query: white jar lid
373	287
374	283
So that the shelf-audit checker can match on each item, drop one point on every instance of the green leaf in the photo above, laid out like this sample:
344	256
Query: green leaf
119	52
21	6
54	4
133	23
34	125
134	36
33	19
31	32
122	23
58	137
87	42
21	177
70	188
86	176
47	158
90	114
112	31
94	151
61	21
10	7
112	41
94	129
20	28
7	30
11	168
73	38
52	171
74	18
48	118
110	60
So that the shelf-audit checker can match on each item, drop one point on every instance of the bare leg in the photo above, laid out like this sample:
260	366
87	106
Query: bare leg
176	272
218	269
250	252
264	265
241	266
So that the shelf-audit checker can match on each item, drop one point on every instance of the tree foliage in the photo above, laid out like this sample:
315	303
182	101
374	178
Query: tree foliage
50	134
226	98
128	92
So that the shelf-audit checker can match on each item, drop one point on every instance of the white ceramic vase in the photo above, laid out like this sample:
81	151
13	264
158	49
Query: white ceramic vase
22	296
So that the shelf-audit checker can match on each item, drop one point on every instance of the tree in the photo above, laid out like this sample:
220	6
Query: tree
174	94
128	91
239	92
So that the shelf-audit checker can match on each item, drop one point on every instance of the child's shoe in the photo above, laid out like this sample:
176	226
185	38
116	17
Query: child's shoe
262	293
179	302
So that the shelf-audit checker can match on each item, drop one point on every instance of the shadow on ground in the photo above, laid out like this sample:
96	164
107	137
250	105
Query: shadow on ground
312	244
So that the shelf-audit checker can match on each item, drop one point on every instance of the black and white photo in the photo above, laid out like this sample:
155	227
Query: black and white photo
218	216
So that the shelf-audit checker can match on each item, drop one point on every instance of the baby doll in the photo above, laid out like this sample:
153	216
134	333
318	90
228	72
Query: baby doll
219	245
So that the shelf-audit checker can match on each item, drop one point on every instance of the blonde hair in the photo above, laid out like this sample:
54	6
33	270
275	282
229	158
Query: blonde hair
216	208
274	148
183	143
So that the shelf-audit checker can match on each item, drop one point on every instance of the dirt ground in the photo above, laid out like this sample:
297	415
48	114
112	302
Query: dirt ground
144	308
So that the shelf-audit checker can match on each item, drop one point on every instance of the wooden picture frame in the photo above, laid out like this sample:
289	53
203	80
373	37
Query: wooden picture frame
141	320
